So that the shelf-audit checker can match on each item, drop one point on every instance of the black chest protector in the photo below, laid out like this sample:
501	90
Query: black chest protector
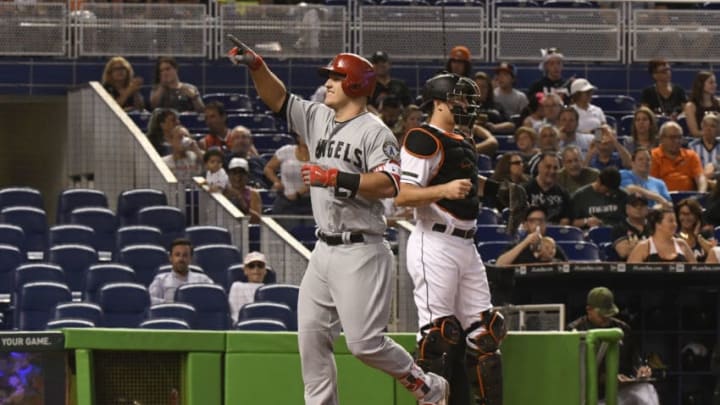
459	162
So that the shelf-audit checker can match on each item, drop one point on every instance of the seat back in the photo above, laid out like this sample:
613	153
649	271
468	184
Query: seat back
488	216
171	324
124	304
37	302
33	222
210	302
202	235
580	251
144	259
216	259
69	200
75	261
170	221
236	273
21	196
131	201
283	293
564	233
79	310
103	221
269	310
600	234
69	323
490	251
10	258
72	234
12	235
261	325
138	235
231	101
98	275
175	310
271	142
492	233
36	272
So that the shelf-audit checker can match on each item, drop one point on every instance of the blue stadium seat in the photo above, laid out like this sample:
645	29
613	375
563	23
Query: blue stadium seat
34	272
267	197
490	251
79	310
216	259
678	196
170	221
231	101
516	3
175	310
283	293
567	4
254	122
580	251
236	273
211	303
612	121
20	196
269	310
261	325
131	201
74	198
626	123
617	105
208	235
103	221
141	119
72	234
37	302
484	162
265	143
564	233
608	253
682	121
488	216
254	237
194	122
145	260
75	261
69	323
600	234
12	235
164	268
165	324
137	235
101	274
506	143
10	258
305	234
33	222
124	304
492	233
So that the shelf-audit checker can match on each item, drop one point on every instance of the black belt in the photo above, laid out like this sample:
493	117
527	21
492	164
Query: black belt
334	240
460	233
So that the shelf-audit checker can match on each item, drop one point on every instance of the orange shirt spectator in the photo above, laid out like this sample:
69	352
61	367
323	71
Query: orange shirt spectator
678	167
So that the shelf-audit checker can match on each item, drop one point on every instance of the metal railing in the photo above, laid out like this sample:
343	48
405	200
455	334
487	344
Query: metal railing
617	31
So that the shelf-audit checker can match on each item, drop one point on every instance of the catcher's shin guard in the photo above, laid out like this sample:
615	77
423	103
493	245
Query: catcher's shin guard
483	361
439	345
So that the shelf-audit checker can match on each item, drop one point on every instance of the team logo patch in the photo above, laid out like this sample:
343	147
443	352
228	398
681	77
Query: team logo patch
391	150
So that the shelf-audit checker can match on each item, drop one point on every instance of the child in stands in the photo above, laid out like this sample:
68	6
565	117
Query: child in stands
216	177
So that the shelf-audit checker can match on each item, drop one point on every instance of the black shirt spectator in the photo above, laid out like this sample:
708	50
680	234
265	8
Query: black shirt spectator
386	85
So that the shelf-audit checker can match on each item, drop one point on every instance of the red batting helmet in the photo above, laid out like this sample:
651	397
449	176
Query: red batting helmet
359	74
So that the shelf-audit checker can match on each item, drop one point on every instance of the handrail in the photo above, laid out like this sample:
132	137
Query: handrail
612	366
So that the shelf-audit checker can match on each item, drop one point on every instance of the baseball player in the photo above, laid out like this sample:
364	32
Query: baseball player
348	280
439	179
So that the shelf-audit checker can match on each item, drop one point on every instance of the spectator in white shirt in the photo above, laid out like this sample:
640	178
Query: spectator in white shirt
162	289
592	117
216	177
241	293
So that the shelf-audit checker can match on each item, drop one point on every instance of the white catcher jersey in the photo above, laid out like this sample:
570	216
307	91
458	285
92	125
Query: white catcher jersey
360	145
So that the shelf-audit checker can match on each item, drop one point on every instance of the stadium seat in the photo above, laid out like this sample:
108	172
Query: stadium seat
12	235
490	251
211	303
567	4
626	123
564	233
608	253
131	201
20	196
101	274
161	323
144	259
269	310
75	261
305	234
231	101
216	259
261	325
202	235
175	310
617	105
492	233
254	237
124	304
35	272
267	197
137	235
74	198
484	162
600	234
678	196
194	122
170	221
72	234
79	310
283	293
105	224
682	121
580	251
37	302
265	143
10	258
69	323
488	216
168	267
254	122
236	273
33	222
612	121
506	143
516	3
141	119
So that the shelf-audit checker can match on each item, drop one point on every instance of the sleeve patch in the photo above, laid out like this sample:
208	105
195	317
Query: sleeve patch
421	143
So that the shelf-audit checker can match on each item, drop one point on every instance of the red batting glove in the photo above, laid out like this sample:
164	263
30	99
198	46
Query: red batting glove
242	53
318	176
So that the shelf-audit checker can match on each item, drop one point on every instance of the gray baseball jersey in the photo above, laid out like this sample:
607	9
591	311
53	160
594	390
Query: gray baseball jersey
361	145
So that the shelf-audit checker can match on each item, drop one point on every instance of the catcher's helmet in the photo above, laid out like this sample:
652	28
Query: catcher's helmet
449	86
359	74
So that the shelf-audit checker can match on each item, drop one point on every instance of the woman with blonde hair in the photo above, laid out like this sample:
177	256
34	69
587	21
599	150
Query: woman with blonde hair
119	80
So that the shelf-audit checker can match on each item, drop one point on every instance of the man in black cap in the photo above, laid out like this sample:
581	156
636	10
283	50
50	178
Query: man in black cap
512	100
634	387
628	233
385	84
